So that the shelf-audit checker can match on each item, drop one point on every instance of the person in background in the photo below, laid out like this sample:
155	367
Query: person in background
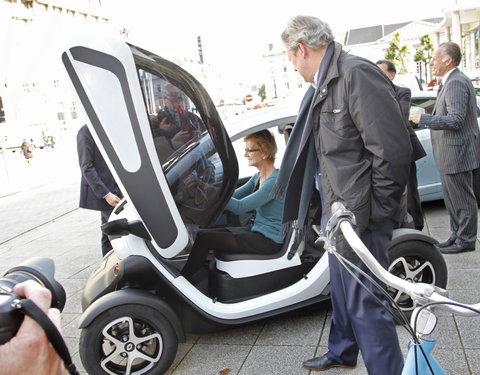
265	235
98	189
30	351
27	150
454	133
354	148
404	95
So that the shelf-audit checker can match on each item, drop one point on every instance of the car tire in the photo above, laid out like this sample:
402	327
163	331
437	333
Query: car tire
415	261
128	339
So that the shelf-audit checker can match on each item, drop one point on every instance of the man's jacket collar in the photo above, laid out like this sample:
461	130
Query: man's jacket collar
332	73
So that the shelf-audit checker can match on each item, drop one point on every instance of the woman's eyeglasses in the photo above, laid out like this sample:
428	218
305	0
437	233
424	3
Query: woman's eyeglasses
247	151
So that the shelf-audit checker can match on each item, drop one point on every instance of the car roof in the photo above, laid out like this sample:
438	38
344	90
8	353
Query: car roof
285	112
255	120
424	94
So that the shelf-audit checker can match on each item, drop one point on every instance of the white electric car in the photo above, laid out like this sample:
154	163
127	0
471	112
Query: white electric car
169	152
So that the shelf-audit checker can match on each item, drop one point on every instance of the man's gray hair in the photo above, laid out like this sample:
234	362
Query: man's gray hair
453	51
310	31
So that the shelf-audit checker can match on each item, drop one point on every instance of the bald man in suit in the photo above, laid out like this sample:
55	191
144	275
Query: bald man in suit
454	134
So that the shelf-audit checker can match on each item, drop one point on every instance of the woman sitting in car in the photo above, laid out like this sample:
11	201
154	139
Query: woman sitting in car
264	236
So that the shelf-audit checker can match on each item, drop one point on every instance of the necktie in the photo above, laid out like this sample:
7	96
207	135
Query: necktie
440	86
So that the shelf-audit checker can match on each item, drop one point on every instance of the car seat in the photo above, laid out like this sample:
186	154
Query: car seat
236	276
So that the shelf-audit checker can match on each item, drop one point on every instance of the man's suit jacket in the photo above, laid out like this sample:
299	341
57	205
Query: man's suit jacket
454	126
97	180
404	96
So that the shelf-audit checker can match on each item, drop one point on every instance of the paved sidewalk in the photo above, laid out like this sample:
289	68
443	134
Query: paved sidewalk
276	346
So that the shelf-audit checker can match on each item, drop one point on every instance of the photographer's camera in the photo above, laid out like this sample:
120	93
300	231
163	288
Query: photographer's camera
42	271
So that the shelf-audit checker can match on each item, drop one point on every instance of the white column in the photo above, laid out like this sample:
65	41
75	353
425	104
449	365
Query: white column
472	51
436	39
456	28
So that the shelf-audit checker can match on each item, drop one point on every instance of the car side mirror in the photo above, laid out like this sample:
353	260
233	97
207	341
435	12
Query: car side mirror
123	227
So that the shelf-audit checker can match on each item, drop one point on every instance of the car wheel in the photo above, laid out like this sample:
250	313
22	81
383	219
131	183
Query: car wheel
415	261
128	339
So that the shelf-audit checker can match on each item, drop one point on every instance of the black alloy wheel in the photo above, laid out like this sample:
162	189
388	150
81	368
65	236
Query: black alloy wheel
128	339
415	261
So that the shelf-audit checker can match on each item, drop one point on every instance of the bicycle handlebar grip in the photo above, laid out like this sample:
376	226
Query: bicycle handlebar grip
338	206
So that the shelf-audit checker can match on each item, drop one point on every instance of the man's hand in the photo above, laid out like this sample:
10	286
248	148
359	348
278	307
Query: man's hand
112	199
30	352
165	125
415	116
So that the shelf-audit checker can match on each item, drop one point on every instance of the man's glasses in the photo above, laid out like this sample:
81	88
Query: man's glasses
247	151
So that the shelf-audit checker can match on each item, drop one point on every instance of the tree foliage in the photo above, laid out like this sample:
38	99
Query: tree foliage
424	51
262	93
423	55
398	53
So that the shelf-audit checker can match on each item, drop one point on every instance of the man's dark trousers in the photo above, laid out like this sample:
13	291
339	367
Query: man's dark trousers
351	303
414	205
106	245
461	204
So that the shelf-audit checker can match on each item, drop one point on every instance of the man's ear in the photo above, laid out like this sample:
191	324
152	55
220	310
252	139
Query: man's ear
450	63
303	50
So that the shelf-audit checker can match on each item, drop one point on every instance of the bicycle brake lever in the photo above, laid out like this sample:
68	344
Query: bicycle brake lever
340	213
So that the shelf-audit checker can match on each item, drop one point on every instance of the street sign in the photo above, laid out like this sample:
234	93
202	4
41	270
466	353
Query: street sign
248	98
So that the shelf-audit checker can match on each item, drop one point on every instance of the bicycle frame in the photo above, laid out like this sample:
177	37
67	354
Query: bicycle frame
419	360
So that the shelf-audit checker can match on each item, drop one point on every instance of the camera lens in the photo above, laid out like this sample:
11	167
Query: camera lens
41	270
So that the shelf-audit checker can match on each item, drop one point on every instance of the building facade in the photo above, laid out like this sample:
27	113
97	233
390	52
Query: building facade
462	26
281	79
460	23
36	97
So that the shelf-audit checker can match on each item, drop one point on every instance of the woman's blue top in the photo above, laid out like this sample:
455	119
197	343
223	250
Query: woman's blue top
268	218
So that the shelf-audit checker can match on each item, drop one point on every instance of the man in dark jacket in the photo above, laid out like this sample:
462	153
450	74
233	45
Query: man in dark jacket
354	147
404	95
98	189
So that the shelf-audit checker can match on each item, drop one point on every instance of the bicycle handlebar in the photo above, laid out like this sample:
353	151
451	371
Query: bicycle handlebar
420	292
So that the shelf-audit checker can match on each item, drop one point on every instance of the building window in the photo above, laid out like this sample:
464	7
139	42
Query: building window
73	111
299	82
27	3
2	112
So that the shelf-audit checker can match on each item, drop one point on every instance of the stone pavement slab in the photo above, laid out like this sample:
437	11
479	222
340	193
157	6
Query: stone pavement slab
275	346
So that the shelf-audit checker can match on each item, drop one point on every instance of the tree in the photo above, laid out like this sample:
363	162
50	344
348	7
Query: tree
423	55
262	93
397	53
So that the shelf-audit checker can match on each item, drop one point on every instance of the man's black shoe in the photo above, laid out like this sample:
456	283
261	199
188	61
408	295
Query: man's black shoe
458	248
323	363
446	243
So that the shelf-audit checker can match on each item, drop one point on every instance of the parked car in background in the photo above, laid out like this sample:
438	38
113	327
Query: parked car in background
477	90
409	80
280	121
